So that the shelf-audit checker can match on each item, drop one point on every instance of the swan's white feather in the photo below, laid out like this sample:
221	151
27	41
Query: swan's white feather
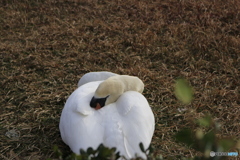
95	76
123	124
128	122
78	123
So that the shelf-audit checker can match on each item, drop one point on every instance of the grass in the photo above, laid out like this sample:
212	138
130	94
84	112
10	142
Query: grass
47	45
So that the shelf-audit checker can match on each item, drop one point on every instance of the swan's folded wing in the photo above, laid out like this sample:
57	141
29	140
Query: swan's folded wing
80	99
79	123
95	76
138	122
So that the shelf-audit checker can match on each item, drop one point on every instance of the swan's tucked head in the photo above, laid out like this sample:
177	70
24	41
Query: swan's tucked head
112	88
107	92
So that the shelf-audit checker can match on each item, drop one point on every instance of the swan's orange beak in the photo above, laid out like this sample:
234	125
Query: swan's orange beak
98	103
98	106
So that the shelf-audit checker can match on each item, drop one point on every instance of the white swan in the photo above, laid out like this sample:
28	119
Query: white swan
119	116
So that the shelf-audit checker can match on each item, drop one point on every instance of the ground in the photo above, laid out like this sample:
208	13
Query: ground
47	45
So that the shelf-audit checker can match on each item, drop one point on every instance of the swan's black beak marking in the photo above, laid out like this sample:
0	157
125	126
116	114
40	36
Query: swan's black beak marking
100	101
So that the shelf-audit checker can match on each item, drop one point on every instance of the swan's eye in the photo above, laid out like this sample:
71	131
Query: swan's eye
98	103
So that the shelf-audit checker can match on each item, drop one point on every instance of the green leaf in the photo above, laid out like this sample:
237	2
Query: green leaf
208	140
205	121
185	136
105	152
90	151
142	147
183	91
226	144
100	147
57	151
82	151
150	149
199	134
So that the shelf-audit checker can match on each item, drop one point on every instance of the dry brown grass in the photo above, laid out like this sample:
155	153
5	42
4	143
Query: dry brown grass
47	45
